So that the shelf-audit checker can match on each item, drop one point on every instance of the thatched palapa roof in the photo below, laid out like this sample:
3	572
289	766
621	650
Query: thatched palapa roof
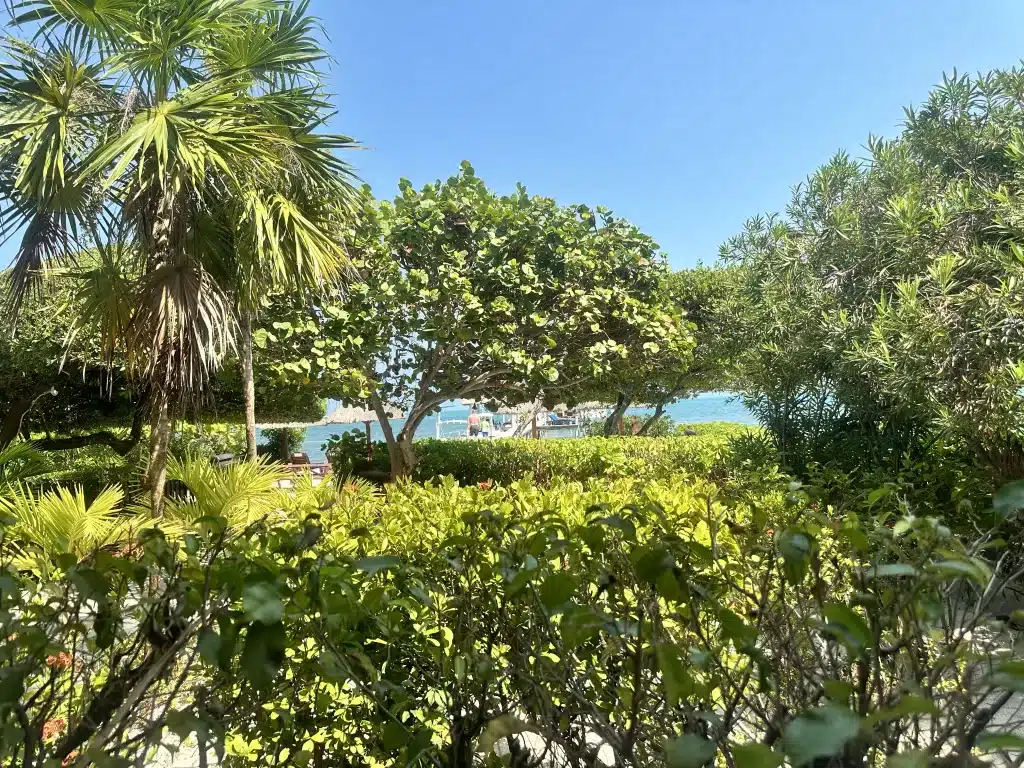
346	414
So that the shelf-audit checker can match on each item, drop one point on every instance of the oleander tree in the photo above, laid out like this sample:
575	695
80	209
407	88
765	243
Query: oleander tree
181	141
463	293
884	310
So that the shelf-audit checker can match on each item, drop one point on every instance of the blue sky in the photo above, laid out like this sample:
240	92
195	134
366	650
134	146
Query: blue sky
686	117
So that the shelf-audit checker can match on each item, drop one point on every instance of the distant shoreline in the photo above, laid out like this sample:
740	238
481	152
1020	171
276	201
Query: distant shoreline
458	404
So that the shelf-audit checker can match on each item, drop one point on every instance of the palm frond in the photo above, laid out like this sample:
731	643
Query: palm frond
241	493
276	48
20	462
185	321
60	522
76	21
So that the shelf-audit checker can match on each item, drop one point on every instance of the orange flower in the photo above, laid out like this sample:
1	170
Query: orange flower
72	756
351	487
486	485
53	727
62	660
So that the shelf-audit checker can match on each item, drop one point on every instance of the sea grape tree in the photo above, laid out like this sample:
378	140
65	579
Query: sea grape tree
464	293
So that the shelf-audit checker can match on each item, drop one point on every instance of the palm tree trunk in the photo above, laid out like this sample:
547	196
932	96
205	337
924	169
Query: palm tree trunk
248	385
159	438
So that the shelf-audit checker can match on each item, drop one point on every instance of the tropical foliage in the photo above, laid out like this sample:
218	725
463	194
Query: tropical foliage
657	375
178	140
884	310
666	623
545	461
462	292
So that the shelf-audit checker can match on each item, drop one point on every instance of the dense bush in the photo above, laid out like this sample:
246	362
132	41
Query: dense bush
207	439
593	623
632	423
884	310
282	442
510	459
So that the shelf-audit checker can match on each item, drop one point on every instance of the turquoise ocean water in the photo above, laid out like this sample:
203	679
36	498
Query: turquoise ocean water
709	406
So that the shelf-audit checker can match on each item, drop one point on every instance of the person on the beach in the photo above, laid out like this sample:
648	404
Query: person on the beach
474	423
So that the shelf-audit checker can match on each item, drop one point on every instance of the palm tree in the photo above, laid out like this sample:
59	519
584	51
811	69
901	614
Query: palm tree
180	140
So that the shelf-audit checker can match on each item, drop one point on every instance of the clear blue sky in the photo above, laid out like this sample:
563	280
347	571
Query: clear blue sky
685	116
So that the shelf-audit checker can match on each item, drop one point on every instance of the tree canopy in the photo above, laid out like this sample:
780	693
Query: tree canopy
884	310
181	140
463	293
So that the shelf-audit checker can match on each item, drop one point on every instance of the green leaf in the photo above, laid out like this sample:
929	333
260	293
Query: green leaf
975	570
890	569
1009	675
821	732
578	625
756	755
796	548
263	654
734	628
500	728
556	590
373	565
1008	500
209	644
419	744
907	706
993	741
106	624
689	751
677	681
839	691
91	584
849	626
651	561
261	602
12	686
668	587
394	736
916	758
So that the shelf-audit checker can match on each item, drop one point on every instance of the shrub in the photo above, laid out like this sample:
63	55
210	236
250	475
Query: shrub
431	623
347	454
507	460
208	440
631	424
281	443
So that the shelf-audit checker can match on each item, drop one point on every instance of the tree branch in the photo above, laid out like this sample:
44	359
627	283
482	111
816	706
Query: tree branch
121	445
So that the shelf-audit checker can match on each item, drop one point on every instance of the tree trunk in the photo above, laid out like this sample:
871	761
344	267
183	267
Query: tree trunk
658	413
10	426
623	402
395	457
406	457
159	438
248	385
